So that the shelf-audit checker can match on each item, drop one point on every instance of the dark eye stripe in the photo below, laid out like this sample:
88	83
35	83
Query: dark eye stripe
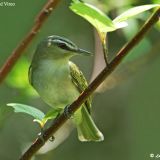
62	43
63	46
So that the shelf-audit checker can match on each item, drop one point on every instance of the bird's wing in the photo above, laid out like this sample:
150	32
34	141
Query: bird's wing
80	82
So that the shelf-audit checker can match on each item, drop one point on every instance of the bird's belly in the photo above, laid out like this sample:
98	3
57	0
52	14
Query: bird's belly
60	94
56	91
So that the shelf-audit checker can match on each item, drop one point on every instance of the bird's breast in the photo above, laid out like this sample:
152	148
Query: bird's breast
53	83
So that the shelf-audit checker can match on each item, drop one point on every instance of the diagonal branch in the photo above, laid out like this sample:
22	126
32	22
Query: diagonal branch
19	50
91	88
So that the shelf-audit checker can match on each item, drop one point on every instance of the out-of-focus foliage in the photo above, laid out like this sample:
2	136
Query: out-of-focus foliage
141	51
18	78
128	115
4	114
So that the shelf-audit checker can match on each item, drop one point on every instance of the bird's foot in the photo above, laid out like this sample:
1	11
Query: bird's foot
67	112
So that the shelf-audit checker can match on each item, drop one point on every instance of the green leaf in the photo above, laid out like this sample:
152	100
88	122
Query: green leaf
51	114
32	111
97	18
132	12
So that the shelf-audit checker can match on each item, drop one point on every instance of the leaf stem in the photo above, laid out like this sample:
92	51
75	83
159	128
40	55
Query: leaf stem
58	122
104	46
105	50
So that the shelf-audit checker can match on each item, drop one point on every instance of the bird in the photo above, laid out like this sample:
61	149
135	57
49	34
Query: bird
59	82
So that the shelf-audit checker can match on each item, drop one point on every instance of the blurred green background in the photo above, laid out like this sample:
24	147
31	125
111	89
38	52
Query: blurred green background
128	114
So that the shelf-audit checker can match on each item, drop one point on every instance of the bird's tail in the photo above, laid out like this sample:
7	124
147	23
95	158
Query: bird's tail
87	130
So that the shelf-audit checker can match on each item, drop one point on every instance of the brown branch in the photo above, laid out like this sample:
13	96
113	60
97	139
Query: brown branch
91	88
19	50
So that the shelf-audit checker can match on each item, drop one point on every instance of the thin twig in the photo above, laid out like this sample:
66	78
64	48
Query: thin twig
19	50
91	88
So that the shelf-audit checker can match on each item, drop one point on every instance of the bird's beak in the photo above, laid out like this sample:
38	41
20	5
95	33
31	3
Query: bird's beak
84	52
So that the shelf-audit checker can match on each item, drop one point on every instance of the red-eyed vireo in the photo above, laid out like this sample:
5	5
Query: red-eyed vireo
59	82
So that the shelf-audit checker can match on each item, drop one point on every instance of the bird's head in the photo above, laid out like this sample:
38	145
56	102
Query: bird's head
58	47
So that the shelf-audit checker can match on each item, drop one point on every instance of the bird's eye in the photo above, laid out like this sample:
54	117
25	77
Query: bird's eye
63	46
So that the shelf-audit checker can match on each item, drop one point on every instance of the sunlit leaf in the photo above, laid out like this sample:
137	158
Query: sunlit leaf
133	11
32	111
93	15
18	77
121	25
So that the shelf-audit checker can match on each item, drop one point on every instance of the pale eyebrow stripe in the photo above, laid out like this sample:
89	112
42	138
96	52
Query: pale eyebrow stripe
64	40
